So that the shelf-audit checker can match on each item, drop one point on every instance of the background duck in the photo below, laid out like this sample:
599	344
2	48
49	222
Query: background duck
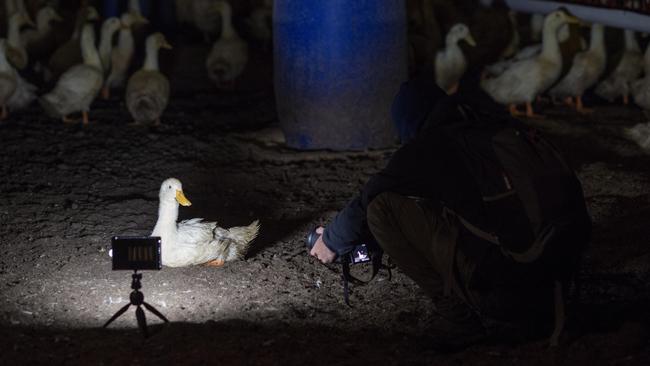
627	70
641	88
69	53
195	241
7	80
585	70
229	54
529	51
147	92
260	23
16	52
206	16
450	62
41	42
77	87
525	79
515	39
109	27
122	53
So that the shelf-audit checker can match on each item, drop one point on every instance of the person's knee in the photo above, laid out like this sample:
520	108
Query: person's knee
379	211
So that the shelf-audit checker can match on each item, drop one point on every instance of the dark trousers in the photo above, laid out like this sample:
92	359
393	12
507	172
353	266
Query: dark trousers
420	241
423	244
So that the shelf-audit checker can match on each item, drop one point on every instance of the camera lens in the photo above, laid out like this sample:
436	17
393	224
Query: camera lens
311	238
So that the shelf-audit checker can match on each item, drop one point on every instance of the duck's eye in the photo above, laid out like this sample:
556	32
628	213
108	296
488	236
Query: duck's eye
170	187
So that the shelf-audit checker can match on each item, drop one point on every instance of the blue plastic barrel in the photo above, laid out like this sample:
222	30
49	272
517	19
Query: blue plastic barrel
111	8
337	66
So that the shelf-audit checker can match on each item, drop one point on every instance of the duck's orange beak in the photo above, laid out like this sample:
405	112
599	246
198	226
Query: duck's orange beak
180	197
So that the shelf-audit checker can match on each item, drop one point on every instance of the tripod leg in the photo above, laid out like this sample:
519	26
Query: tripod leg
142	321
117	314
155	311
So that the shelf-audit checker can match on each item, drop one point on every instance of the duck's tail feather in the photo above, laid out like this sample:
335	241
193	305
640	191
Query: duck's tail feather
24	95
236	240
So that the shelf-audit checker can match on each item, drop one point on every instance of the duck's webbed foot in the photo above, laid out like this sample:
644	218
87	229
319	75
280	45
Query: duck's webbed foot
215	263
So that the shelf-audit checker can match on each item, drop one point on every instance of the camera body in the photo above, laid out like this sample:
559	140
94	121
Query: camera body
360	254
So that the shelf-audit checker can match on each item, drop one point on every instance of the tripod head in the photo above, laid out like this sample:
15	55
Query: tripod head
135	282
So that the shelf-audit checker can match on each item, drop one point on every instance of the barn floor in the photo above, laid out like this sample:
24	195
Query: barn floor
65	190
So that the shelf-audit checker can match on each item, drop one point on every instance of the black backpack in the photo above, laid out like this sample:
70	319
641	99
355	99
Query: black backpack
532	202
529	193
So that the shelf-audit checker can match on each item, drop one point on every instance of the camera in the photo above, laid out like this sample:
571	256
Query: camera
136	252
360	253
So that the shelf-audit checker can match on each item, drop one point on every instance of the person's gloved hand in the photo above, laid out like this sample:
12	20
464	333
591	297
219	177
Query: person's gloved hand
320	250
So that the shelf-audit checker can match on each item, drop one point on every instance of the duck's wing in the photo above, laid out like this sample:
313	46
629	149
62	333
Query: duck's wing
195	232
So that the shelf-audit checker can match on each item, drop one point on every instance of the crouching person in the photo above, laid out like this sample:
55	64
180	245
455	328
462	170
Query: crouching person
475	207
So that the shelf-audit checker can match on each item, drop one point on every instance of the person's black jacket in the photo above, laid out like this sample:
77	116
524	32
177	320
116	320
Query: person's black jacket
427	167
424	167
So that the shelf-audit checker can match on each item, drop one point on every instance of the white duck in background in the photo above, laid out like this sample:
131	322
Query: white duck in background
68	54
260	22
527	52
192	242
109	27
513	45
628	69
536	26
450	62
229	54
16	52
206	17
524	80
122	53
641	87
41	42
7	80
586	69
77	87
147	92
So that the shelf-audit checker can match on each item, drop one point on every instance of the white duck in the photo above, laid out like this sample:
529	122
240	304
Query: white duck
77	87
122	54
41	42
68	54
513	45
641	88
206	16
628	69
536	26
16	52
7	80
450	63
259	23
527	52
109	27
229	55
192	242
147	91
585	70
525	79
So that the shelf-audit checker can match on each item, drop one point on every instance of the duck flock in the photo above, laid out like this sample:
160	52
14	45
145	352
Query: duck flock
524	74
65	76
73	72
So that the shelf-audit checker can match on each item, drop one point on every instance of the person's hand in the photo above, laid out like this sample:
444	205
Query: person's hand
320	250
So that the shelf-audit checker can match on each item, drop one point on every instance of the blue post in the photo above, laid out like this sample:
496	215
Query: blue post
338	65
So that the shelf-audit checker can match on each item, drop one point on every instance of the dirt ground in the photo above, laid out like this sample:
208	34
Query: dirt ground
66	190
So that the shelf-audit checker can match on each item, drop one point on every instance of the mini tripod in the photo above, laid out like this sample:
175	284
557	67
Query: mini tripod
137	299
